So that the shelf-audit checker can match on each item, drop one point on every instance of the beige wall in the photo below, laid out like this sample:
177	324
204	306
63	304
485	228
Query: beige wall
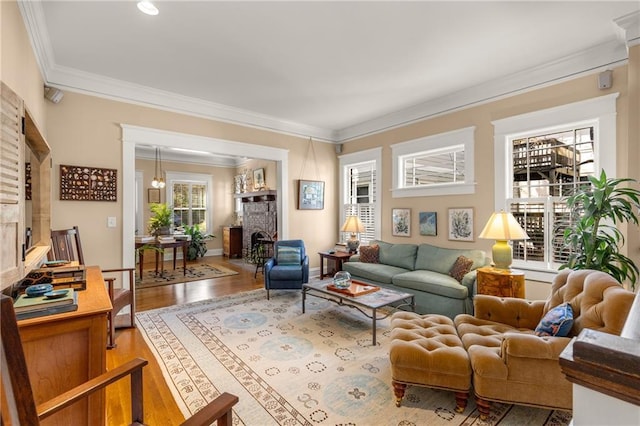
19	69
84	130
481	116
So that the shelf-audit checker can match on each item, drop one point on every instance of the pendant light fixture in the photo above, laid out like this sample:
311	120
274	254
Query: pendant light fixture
154	182
161	183
158	182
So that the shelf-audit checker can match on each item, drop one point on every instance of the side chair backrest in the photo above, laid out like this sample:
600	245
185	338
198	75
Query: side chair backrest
21	407
65	245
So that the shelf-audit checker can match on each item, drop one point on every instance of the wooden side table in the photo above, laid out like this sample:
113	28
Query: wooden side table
500	282
337	257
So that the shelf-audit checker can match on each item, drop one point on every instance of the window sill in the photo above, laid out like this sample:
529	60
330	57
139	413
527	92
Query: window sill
435	190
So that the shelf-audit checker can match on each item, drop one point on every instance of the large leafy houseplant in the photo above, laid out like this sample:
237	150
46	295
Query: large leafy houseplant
593	239
198	244
161	220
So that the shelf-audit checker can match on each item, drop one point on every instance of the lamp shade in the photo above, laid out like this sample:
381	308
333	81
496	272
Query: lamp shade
353	225
503	226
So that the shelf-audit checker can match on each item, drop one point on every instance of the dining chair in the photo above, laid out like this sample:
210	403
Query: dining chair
18	398
66	245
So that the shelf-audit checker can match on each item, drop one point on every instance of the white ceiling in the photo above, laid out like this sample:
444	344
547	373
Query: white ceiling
329	70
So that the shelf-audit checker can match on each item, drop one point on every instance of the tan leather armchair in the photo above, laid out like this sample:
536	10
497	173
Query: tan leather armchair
511	364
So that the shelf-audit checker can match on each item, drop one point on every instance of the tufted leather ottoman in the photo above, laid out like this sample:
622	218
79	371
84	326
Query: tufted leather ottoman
426	351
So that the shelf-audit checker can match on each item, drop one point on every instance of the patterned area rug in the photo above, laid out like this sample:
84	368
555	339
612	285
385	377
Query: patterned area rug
289	368
197	271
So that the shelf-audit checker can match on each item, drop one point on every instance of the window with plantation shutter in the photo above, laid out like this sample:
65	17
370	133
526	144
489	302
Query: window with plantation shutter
360	192
11	187
542	157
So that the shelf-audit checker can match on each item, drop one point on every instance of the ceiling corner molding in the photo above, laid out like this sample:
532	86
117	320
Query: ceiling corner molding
628	28
35	24
606	55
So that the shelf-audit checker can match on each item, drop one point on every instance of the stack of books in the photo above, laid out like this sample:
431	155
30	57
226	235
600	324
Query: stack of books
59	301
145	238
166	239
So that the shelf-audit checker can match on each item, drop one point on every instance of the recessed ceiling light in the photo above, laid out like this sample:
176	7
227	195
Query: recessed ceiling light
147	7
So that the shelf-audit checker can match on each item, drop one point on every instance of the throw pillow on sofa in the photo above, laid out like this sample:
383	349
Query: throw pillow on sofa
557	322
461	267
370	254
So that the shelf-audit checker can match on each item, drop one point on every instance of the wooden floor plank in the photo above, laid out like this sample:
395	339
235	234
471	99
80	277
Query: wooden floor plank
159	405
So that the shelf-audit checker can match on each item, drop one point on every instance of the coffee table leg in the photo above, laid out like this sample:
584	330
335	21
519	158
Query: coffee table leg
374	326
304	297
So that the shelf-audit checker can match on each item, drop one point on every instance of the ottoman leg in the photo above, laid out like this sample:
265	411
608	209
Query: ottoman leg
398	390
484	407
461	401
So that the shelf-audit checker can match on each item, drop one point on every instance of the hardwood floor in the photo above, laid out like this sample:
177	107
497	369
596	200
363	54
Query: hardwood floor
159	405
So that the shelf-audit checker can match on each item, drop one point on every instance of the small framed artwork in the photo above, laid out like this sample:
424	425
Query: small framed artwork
310	194
428	223
153	195
258	179
401	226
461	224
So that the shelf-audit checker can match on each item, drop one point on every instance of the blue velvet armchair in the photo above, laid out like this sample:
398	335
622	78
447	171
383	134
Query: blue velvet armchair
288	269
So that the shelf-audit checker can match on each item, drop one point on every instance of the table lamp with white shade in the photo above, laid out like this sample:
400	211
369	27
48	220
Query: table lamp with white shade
353	225
502	227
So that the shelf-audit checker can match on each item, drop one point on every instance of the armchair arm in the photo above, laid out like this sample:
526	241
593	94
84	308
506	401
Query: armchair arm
132	368
305	269
519	313
219	409
532	346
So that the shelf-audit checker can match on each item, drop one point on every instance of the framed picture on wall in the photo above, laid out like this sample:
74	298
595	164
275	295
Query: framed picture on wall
258	179
461	224
401	222
428	223
310	194
153	195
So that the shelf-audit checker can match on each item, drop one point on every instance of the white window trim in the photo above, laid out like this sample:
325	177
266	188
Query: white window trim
346	160
463	136
193	178
601	109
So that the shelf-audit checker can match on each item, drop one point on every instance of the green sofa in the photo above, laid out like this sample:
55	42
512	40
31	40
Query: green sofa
422	270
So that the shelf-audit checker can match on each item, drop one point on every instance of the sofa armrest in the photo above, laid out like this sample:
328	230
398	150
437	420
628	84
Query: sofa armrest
532	346
519	313
469	281
354	258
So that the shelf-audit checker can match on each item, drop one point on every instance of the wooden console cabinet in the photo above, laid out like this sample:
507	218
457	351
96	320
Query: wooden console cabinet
232	241
65	350
500	282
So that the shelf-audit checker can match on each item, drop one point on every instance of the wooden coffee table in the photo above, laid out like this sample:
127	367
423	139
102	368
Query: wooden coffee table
373	301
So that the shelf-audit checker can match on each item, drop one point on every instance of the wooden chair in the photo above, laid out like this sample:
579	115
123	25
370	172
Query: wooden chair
66	245
18	404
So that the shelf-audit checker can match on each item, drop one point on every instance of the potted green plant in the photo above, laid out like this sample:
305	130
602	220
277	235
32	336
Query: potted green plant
198	244
161	220
593	239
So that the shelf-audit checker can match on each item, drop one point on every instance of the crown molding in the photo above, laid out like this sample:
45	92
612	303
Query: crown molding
607	55
628	28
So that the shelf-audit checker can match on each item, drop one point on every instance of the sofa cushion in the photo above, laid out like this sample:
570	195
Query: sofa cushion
288	255
372	271
400	255
370	254
441	260
557	322
431	282
461	267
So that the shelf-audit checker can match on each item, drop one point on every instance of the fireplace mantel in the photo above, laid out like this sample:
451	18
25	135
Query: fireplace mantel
257	196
